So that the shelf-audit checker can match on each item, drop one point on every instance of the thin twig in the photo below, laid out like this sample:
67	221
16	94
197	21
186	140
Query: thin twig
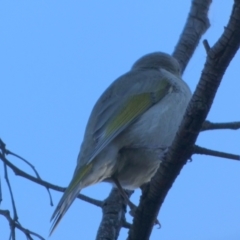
207	125
15	216
93	201
8	152
16	224
23	174
206	45
210	152
0	191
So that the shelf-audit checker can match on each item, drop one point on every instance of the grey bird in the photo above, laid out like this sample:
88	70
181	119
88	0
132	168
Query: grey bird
131	124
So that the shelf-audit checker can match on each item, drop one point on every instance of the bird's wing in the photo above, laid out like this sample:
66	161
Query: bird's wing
124	102
119	106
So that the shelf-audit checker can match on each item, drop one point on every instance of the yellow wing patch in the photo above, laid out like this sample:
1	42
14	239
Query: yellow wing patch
134	108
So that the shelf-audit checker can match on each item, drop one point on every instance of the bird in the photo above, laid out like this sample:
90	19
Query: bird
131	125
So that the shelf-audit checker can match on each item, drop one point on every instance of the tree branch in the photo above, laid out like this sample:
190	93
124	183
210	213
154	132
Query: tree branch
49	185
200	150
113	218
217	62
7	152
14	224
15	216
196	25
206	45
207	125
0	192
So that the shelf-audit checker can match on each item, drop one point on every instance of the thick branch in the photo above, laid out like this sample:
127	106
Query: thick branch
196	25
217	62
207	125
210	152
113	218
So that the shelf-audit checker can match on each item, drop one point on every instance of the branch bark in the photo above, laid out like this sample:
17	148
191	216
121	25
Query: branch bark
216	64
214	153
207	125
196	25
113	218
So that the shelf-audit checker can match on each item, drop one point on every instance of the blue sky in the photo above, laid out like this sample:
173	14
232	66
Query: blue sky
56	58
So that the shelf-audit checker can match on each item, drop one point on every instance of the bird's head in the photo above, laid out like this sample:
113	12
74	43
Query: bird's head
158	60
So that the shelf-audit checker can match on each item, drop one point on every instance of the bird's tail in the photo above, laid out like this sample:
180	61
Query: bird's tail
69	195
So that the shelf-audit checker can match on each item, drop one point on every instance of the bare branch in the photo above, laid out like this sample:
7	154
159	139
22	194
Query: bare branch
113	218
210	152
14	224
23	174
207	125
219	57
196	25
0	191
92	201
7	152
206	45
15	215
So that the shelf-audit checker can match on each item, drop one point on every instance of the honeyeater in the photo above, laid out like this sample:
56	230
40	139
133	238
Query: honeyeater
131	124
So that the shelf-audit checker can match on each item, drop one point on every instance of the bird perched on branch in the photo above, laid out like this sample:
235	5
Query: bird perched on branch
131	124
